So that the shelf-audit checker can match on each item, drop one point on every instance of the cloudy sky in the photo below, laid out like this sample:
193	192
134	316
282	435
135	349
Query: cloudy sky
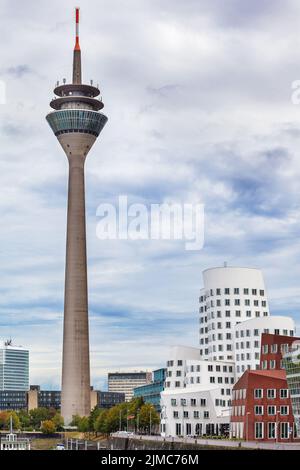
198	96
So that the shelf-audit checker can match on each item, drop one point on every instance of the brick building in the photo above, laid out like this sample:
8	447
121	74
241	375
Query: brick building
261	407
273	347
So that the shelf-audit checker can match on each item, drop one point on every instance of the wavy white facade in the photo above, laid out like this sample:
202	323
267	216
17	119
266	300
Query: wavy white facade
230	295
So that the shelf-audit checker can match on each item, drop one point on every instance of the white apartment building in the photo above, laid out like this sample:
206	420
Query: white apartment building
230	295
197	395
247	337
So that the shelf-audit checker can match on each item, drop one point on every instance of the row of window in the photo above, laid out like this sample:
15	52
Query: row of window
196	414
228	291
271	393
171	363
246	357
274	348
284	430
227	302
185	402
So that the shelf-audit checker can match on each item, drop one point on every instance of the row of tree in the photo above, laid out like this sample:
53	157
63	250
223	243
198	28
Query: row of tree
132	416
47	420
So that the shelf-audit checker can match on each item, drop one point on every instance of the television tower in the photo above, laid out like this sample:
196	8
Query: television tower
76	122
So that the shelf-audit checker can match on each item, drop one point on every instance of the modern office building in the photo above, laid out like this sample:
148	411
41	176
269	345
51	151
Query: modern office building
37	398
126	382
76	122
13	400
151	392
106	399
197	395
14	367
261	407
291	364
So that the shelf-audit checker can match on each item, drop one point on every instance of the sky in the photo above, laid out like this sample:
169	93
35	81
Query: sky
198	99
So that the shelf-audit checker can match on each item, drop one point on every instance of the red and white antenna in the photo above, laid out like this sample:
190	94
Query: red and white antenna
77	46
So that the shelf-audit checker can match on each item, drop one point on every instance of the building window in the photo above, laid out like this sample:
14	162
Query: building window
177	384
173	402
193	401
271	393
259	430
284	393
258	410
284	410
246	291
178	429
183	402
175	414
203	401
284	430
196	414
254	291
274	348
265	349
272	364
271	410
227	291
179	362
271	430
206	415
258	393
185	414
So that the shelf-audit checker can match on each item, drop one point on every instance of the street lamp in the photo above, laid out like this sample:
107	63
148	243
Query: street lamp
247	425
277	426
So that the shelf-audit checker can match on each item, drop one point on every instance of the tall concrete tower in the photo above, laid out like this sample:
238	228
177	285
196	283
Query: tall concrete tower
76	122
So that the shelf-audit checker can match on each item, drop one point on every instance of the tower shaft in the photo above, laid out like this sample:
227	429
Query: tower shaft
76	362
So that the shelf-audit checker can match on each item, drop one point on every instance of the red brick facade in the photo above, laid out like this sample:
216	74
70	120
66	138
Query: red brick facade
261	407
272	349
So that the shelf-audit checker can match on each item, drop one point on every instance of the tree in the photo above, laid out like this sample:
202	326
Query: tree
101	422
93	417
84	425
37	415
58	421
148	417
47	427
15	420
24	419
3	419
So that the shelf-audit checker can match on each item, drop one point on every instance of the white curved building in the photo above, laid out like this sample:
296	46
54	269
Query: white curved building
248	339
230	296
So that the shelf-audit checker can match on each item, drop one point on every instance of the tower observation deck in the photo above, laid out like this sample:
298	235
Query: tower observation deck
76	121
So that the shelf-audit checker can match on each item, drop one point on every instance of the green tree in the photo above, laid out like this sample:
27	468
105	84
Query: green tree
24	419
3	419
15	420
47	426
37	415
93	417
101	422
58	421
148	416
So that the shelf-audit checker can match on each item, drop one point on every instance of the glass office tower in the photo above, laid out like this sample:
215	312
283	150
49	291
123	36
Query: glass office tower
14	367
